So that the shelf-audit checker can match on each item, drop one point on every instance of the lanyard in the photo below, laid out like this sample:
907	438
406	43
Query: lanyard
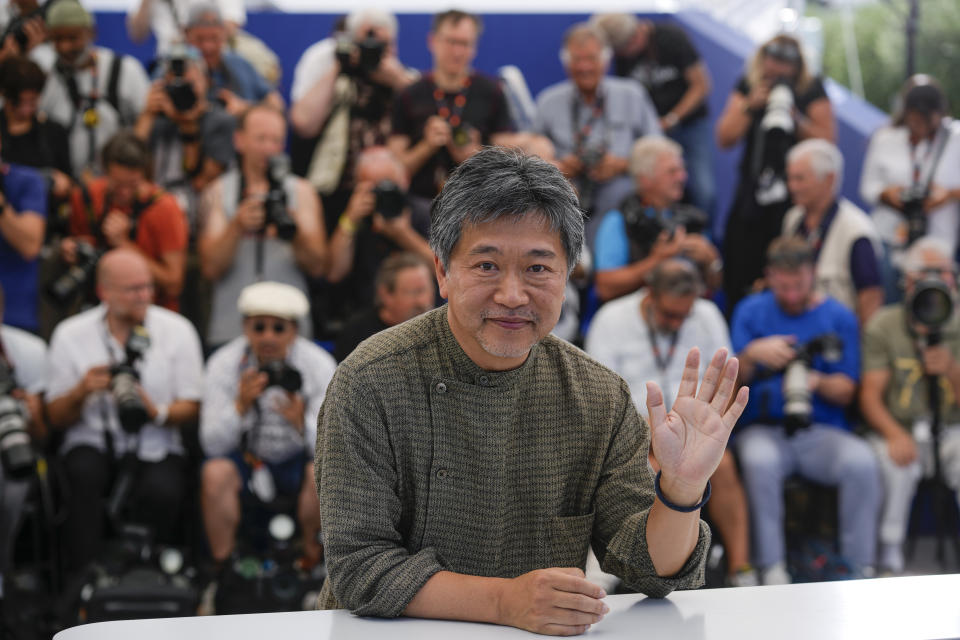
662	361
582	133
84	107
450	106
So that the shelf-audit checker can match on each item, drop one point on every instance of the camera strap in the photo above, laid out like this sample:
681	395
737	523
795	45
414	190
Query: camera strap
598	114
258	248
934	150
451	109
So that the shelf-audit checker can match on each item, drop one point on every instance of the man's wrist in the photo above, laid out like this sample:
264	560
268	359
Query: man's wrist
671	119
679	496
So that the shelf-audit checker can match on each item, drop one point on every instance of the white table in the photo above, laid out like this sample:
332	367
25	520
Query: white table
921	607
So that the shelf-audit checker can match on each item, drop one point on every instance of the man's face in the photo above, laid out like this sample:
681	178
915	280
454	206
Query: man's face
70	43
262	136
27	105
806	189
269	337
585	65
792	289
127	291
209	40
669	311
412	295
667	182
453	45
124	183
505	286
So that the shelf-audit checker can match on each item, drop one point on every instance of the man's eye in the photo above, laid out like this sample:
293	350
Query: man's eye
486	266
539	268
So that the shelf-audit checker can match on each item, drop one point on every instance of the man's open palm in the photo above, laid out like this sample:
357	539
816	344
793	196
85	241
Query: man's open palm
688	442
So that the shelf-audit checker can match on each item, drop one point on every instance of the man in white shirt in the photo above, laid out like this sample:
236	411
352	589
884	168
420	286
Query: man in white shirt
86	352
92	91
642	337
258	426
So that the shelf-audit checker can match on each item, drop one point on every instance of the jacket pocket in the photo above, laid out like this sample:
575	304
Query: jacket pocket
570	540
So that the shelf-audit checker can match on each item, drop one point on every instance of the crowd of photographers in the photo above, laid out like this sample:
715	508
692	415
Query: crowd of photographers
150	220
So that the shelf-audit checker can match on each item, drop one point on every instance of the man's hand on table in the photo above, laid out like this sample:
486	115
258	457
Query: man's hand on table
557	602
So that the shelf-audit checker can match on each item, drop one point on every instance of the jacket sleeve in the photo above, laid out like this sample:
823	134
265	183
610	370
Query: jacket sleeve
623	502
370	570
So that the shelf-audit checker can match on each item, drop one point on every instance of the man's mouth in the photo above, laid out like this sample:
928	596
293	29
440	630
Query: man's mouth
511	324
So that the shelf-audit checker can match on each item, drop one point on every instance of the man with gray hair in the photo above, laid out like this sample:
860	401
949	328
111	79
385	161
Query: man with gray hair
496	454
905	349
652	224
844	239
231	80
639	337
592	138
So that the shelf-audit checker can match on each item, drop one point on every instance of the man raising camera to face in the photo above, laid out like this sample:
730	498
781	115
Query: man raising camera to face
259	421
123	378
906	347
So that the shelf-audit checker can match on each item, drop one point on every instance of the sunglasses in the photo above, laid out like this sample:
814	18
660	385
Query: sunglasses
279	326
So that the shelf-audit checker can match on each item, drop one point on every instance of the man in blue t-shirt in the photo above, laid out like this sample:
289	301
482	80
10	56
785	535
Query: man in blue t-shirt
770	331
23	212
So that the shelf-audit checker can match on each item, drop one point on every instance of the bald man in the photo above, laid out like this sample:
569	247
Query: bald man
85	354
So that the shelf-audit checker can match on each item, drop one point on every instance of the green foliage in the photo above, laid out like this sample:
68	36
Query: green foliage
881	36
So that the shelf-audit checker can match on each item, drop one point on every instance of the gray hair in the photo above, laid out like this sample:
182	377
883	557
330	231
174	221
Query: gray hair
204	14
646	152
917	256
825	159
675	277
618	27
498	182
371	18
584	31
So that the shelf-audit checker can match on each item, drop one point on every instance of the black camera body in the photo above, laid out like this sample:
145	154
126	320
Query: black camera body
280	374
644	225
360	58
912	200
275	205
179	88
797	406
16	452
390	199
131	411
66	287
932	304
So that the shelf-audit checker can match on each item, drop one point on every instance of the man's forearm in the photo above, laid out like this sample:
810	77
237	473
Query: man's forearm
67	409
613	283
183	412
837	389
310	253
877	415
414	157
308	114
217	252
455	596
23	231
672	535
342	248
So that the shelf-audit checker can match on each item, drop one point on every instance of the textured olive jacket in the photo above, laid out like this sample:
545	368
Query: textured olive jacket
425	462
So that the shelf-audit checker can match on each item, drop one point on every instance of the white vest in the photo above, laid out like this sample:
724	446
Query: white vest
833	266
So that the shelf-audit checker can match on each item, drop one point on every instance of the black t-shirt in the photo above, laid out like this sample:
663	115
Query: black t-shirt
661	68
356	329
802	101
44	146
485	110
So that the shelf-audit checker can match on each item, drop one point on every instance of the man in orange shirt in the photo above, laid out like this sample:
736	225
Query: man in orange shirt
124	209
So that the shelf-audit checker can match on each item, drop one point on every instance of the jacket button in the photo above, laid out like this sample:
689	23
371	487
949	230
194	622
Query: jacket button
441	387
441	473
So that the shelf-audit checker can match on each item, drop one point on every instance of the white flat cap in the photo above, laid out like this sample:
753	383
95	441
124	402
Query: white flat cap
273	299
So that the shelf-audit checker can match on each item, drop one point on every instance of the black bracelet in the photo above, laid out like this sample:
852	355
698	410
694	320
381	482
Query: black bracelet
676	507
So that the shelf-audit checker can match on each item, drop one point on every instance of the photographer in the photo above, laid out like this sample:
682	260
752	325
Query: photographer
124	209
342	99
911	174
259	223
652	225
772	331
376	223
447	115
768	129
262	396
902	351
593	138
24	32
231	80
844	240
90	399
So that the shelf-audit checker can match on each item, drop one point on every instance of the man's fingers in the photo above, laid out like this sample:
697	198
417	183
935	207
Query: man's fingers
656	410
573	583
736	409
712	376
563	630
728	381
691	373
573	571
580	602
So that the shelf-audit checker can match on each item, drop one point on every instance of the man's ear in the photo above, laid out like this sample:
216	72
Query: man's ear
441	276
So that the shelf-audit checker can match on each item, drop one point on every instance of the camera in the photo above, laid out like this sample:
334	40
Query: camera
797	407
778	114
16	454
360	58
178	87
280	374
912	199
68	285
462	135
645	224
589	156
131	410
275	205
390	199
931	304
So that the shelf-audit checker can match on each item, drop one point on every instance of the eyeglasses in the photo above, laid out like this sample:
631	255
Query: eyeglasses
279	326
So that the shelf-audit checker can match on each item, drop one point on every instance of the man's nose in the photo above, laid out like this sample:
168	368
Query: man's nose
511	292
